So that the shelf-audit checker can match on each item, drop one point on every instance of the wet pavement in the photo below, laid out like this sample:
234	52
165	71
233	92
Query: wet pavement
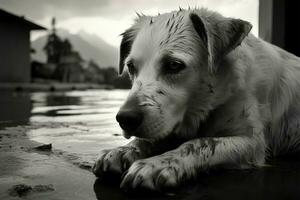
81	123
78	122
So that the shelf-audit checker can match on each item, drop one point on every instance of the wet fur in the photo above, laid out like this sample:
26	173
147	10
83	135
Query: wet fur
242	107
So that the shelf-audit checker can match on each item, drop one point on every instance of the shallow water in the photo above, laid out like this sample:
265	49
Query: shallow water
81	123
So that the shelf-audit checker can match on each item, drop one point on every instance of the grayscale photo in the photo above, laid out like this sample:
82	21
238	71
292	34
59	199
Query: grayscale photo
156	99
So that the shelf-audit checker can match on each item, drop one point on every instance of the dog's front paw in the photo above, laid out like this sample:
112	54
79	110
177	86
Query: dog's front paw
161	175
116	160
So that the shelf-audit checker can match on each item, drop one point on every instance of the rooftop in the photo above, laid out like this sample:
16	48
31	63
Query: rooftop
6	16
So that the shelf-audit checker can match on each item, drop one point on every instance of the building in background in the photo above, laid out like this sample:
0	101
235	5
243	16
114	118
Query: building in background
68	64
15	47
70	68
279	23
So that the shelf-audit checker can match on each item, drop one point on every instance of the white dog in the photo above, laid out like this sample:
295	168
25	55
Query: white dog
205	93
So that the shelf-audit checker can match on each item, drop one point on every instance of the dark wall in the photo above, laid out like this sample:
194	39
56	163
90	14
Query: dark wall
272	21
265	19
292	26
14	52
279	23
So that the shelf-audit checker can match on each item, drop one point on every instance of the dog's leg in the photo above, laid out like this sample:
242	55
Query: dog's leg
170	169
120	159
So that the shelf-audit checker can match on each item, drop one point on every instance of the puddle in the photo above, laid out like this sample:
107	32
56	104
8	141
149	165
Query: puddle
79	124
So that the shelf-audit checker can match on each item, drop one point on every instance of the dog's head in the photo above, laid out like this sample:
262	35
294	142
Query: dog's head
173	60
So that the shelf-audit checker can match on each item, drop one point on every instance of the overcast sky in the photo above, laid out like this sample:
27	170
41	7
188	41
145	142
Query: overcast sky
109	18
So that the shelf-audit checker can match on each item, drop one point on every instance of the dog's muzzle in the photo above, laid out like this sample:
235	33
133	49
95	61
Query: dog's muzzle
130	117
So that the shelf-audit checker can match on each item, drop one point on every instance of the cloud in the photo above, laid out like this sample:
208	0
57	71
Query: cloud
64	9
39	9
108	18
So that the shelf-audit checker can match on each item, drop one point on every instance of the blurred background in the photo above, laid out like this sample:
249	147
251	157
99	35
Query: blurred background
77	41
73	41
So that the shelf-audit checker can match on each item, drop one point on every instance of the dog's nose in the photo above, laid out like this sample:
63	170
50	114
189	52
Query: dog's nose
129	120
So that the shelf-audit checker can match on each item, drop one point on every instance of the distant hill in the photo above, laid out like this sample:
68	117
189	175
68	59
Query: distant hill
88	45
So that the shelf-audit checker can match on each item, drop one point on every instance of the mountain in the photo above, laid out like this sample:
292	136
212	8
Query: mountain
89	46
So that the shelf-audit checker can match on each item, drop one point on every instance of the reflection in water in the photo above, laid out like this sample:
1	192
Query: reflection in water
15	108
280	181
109	189
59	102
78	122
59	99
81	123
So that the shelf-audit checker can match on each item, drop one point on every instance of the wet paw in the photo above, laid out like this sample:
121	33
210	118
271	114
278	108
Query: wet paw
152	174
115	161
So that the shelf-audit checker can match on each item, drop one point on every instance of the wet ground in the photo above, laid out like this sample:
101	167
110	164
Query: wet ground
78	124
81	123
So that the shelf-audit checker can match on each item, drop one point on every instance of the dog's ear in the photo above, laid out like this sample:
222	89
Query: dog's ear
128	37
126	43
220	37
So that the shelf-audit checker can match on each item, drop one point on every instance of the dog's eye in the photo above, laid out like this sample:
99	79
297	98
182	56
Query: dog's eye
131	68
174	66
